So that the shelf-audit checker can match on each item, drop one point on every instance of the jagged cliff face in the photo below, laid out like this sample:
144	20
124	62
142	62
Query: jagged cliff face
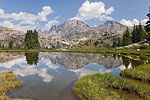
76	61
66	35
75	29
69	29
7	34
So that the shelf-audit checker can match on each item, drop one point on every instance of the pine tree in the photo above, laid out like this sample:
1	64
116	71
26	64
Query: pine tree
96	43
147	29
28	39
31	40
115	44
0	44
18	46
126	38
119	43
141	33
135	34
11	44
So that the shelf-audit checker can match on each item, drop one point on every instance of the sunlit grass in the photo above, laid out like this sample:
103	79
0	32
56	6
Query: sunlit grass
99	87
8	82
141	73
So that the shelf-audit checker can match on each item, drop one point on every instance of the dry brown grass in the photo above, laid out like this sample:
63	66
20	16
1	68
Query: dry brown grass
8	82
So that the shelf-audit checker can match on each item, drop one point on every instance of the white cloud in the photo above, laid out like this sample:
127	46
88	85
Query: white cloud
133	22
27	17
1	11
24	70
93	10
83	71
143	22
49	24
21	16
17	26
26	20
45	12
110	10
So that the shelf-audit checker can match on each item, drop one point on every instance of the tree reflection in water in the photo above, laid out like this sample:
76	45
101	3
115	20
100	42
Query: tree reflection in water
126	61
32	58
134	63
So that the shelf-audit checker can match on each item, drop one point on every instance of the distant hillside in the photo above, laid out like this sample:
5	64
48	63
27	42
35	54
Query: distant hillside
67	35
7	34
76	29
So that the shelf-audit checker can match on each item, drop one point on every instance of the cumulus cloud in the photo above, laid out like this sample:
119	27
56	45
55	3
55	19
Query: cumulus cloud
17	26
133	22
45	12
94	10
25	20
1	11
49	24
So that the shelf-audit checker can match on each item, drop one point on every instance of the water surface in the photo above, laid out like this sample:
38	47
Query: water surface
50	76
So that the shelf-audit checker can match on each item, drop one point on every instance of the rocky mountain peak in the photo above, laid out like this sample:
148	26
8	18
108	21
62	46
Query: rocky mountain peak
109	22
74	23
69	28
53	28
112	23
112	26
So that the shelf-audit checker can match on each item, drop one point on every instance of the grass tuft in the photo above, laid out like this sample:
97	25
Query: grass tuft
8	82
99	87
141	73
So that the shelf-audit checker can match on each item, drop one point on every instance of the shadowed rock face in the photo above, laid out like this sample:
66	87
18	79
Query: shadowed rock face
70	30
76	61
7	34
75	29
9	56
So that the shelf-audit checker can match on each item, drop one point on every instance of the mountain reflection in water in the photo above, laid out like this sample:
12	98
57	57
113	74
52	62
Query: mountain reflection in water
51	75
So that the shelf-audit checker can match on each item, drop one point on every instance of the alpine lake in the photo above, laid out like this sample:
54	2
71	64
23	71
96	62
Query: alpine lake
51	75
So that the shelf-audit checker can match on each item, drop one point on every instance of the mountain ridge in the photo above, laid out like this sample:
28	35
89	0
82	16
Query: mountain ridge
73	27
67	34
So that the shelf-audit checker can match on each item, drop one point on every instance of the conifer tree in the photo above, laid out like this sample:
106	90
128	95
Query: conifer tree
0	44
119	43
137	34
126	38
141	33
115	44
134	34
31	40
147	29
11	44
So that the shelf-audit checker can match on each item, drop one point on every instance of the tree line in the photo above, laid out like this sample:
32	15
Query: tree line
30	42
138	34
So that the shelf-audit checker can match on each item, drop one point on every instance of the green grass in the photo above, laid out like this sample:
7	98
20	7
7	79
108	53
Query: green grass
145	52
141	73
8	82
97	87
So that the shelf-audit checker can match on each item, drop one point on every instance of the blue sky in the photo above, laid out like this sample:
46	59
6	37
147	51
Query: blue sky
93	12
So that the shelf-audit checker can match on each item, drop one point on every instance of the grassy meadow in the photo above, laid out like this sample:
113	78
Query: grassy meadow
99	86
